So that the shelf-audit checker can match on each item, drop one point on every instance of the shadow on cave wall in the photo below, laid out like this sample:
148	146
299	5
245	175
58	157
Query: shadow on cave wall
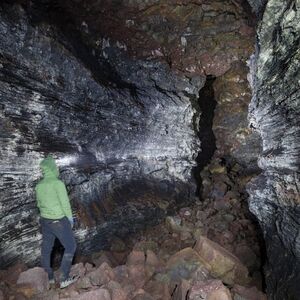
129	208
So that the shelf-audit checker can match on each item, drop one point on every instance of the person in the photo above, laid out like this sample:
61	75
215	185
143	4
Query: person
56	221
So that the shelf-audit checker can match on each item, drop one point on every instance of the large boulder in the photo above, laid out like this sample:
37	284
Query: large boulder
101	293
181	290
185	264
136	258
116	291
11	275
209	290
221	263
158	290
101	275
33	281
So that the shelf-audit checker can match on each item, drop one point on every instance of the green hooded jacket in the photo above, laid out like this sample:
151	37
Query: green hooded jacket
51	193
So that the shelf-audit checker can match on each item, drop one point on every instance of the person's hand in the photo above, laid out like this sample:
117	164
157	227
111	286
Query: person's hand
71	220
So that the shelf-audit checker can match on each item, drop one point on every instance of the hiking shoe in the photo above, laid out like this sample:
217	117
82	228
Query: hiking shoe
67	282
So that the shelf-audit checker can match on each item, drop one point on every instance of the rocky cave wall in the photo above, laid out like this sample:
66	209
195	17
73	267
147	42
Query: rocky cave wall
69	81
274	112
134	131
111	90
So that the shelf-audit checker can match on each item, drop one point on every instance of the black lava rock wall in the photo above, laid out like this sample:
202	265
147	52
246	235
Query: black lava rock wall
122	131
274	112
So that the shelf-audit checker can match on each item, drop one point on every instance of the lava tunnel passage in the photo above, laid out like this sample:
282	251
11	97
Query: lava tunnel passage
207	104
156	181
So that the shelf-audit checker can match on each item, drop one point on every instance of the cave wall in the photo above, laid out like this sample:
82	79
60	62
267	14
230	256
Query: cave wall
274	112
236	142
110	90
122	142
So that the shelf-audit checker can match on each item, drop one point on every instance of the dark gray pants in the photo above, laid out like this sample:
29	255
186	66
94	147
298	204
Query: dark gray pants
62	230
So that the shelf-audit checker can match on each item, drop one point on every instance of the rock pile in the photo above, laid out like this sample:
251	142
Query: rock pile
206	271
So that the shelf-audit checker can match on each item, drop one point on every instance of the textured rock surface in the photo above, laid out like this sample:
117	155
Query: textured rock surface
274	112
157	274
222	264
210	290
123	130
257	6
196	37
126	137
36	278
235	141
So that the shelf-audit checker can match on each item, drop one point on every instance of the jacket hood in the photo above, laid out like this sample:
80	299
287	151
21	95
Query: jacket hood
49	167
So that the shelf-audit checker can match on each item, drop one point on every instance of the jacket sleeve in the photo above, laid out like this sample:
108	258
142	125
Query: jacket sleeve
62	194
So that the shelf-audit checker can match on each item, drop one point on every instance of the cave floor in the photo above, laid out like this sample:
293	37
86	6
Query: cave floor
211	249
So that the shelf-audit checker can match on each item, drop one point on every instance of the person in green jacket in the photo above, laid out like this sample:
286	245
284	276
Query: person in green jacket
56	220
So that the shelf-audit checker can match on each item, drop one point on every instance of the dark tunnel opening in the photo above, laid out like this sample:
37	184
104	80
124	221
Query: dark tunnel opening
207	105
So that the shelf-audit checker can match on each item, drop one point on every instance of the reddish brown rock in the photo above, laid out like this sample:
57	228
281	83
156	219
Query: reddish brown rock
152	259
11	275
49	295
97	294
221	263
142	295
89	267
168	247
121	274
78	270
225	239
101	275
84	283
69	292
234	138
222	204
104	256
181	290
243	293
136	258
137	275
116	291
186	236
184	264
119	257
26	289
17	296
209	290
36	279
158	290
146	245
152	263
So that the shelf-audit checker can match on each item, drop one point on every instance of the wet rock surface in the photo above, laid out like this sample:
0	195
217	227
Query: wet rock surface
274	112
